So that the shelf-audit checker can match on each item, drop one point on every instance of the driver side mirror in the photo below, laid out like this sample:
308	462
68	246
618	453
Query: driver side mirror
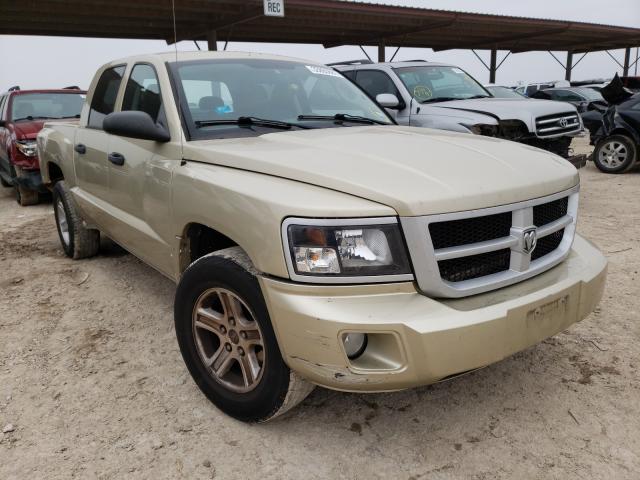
135	124
388	100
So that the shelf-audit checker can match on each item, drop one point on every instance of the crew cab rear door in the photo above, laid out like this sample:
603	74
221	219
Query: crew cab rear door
91	147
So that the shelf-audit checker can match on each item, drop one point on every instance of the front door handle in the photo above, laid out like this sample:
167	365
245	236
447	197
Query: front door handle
116	158
80	148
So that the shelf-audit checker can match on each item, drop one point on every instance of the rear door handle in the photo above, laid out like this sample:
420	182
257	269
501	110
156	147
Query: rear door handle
80	148
116	158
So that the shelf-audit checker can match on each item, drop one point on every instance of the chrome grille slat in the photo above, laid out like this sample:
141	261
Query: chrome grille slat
458	271
474	248
551	125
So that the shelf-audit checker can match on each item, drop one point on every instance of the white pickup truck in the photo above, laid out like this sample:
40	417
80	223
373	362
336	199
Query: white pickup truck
313	240
436	95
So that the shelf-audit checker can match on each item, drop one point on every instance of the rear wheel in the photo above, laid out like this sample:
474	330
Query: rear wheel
77	240
227	341
615	154
4	183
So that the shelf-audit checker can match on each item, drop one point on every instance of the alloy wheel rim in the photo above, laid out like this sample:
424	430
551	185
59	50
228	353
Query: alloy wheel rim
229	340
62	223
613	154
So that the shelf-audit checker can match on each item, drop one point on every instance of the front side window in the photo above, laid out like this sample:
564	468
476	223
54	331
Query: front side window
375	82
440	83
44	106
215	93
143	91
105	95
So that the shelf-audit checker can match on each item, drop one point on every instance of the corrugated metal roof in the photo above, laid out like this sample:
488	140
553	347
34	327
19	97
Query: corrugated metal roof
328	22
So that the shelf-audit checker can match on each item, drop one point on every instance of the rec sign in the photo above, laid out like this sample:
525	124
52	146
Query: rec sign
274	8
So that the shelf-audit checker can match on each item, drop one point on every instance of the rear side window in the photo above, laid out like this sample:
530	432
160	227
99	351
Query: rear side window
143	91
104	96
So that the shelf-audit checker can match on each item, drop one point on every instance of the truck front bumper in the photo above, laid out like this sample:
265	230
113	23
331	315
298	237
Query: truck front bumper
415	340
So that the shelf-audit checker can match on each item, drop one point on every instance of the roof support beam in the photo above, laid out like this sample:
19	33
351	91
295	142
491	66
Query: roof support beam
493	66
381	51
627	58
568	67
212	40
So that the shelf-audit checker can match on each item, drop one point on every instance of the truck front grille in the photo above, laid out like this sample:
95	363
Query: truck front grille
465	253
470	230
550	212
557	124
474	266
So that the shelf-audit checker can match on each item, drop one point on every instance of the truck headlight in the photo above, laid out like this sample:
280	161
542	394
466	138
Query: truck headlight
27	147
346	249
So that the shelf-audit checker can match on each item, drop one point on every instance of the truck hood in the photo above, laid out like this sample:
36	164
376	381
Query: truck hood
526	110
27	130
416	171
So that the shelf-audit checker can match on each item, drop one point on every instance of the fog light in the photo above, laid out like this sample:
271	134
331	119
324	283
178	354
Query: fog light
354	344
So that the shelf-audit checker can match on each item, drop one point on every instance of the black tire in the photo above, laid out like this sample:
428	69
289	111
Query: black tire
4	183
278	389
79	241
26	197
604	146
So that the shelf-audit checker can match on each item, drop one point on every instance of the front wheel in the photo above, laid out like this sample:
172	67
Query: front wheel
615	154
26	197
227	341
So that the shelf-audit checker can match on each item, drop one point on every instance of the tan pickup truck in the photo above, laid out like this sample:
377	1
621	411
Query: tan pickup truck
314	241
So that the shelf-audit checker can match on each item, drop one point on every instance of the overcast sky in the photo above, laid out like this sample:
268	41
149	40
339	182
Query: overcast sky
33	62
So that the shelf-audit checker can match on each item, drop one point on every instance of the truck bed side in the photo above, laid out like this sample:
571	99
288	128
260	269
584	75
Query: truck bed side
55	149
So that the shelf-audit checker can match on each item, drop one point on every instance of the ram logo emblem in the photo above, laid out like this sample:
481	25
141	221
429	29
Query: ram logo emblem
529	240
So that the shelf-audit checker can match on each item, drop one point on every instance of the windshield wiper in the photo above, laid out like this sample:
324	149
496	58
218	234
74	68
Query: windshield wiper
441	99
344	117
33	117
248	122
477	96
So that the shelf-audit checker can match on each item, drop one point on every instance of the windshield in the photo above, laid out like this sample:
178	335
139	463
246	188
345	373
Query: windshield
504	92
32	106
215	93
437	84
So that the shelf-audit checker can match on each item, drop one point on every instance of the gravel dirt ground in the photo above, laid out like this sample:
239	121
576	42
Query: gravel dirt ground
92	384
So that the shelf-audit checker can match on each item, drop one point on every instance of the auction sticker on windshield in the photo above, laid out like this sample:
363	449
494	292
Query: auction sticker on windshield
323	71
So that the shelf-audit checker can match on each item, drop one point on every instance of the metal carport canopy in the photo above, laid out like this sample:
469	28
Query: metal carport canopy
327	22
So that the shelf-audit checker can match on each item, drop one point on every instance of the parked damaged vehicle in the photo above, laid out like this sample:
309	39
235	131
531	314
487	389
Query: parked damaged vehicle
441	96
616	135
584	99
22	116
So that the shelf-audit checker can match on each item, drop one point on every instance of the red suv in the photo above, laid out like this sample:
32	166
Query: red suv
22	115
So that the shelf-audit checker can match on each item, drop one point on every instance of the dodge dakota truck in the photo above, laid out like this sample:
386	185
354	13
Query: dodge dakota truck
314	241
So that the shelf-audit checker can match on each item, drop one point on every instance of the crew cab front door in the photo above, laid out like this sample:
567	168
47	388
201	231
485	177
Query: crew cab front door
140	173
